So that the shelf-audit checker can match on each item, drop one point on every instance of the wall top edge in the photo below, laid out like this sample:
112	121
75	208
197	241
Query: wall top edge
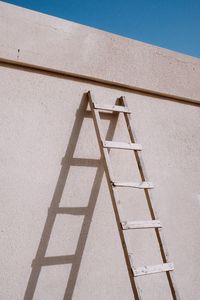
46	42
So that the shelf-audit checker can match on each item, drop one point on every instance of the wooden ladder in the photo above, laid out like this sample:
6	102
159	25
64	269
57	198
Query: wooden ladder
124	225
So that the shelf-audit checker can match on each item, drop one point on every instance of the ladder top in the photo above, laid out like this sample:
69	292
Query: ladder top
116	108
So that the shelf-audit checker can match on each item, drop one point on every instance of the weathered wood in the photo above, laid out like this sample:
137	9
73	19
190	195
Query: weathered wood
116	108
141	224
121	145
137	185
153	269
113	193
154	215
146	185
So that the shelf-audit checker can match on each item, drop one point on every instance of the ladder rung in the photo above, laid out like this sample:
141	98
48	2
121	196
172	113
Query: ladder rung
141	224
121	145
138	185
153	269
117	108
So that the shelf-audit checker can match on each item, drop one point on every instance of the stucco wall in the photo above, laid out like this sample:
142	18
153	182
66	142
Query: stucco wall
50	43
50	158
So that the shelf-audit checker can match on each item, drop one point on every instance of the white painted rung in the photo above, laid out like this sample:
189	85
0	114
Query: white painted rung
138	185
117	108
120	145
141	224
153	269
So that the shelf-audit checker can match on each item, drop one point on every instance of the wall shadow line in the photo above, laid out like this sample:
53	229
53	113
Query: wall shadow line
40	259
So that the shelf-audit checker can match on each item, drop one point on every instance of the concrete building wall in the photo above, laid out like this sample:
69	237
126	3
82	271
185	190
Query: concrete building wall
50	159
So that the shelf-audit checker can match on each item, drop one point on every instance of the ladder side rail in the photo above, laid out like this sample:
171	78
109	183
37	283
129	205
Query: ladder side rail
153	212
114	198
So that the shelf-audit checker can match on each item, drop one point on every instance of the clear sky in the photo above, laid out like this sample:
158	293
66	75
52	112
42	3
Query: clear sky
172	24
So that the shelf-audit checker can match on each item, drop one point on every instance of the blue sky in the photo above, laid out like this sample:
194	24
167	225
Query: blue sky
172	24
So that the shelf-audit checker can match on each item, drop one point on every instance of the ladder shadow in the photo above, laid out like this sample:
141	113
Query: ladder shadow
69	160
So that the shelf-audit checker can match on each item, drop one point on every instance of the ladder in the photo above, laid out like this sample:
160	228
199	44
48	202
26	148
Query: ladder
166	266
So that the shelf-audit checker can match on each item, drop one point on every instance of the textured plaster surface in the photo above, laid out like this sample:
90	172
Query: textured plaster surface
47	42
50	159
39	125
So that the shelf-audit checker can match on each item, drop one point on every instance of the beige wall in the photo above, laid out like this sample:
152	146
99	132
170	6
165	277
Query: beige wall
50	43
50	157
